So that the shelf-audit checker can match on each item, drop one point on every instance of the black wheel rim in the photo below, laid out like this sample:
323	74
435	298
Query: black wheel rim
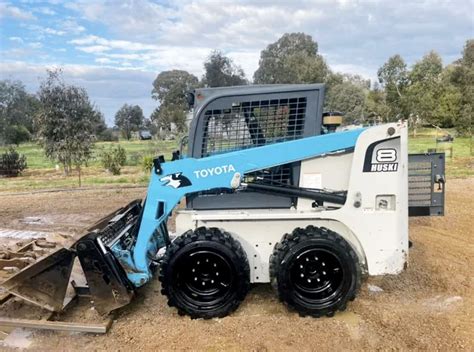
316	275
205	278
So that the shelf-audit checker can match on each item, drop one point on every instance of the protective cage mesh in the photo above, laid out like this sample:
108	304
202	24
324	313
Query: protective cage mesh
255	123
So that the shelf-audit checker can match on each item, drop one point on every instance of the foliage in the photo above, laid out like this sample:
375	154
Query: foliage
220	71
129	118
12	163
393	76
113	160
150	125
427	93
424	88
16	134
147	163
293	58
169	89
463	78
99	125
108	135
348	97
17	108
376	107
65	122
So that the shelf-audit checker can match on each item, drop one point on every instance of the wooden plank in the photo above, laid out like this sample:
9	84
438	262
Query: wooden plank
5	297
56	325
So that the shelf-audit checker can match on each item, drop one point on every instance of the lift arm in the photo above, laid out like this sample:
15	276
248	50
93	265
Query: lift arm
171	181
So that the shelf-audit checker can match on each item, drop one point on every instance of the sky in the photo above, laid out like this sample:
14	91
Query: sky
115	49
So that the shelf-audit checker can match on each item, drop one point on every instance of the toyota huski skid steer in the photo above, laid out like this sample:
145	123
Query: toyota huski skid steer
273	194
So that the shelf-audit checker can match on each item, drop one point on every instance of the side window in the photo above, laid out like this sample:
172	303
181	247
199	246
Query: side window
253	123
247	124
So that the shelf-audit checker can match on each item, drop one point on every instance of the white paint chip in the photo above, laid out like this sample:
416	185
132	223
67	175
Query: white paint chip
374	288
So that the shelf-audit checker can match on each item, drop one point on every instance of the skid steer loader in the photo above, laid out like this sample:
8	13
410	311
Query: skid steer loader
273	193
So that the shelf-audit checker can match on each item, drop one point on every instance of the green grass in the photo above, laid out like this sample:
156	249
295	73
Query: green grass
459	160
135	150
41	173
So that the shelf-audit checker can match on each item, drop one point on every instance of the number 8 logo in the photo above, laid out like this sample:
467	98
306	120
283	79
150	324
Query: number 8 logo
386	155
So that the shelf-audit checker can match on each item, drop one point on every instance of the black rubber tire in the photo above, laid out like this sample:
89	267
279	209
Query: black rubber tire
230	288
307	242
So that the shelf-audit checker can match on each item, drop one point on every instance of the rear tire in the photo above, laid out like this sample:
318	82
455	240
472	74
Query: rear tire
315	271
205	273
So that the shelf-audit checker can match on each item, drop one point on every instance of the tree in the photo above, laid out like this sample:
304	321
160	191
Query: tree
463	78
348	98
17	110
170	88
129	118
16	134
376	106
424	88
293	58
150	125
99	124
220	71
65	122
393	76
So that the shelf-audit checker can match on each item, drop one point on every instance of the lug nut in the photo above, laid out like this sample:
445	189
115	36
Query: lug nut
302	275
309	281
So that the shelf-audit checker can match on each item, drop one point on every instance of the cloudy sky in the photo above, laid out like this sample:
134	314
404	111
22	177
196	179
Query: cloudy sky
116	48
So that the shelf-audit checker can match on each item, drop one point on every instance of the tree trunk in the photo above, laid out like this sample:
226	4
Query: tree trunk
79	174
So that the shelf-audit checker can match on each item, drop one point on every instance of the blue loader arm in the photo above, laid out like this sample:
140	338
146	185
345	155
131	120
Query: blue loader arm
181	177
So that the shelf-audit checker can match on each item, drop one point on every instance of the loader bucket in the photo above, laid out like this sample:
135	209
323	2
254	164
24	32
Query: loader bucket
45	282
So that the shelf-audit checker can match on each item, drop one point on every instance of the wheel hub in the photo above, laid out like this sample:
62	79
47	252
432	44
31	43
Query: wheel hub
316	274
206	277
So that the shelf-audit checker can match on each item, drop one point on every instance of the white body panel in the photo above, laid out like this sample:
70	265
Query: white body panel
374	218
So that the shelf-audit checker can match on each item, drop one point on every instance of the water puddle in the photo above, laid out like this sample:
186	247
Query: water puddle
18	338
22	234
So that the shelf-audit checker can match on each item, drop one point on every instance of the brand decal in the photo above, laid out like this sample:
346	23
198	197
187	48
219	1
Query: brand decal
380	159
214	171
386	161
176	180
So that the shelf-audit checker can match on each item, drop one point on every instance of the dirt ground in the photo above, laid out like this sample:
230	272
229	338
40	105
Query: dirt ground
427	307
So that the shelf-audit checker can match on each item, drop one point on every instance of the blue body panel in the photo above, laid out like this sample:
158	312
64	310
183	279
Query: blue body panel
185	176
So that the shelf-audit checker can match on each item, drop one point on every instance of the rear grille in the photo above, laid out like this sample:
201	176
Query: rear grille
251	124
419	183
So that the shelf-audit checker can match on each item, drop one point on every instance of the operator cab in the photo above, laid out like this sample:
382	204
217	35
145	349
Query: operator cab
235	118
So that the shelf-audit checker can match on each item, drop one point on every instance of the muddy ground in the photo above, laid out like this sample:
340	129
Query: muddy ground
429	306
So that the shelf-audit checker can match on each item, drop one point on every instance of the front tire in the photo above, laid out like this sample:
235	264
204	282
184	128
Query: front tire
205	273
315	271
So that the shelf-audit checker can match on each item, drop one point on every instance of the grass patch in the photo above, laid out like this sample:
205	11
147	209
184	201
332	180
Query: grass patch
459	160
135	150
